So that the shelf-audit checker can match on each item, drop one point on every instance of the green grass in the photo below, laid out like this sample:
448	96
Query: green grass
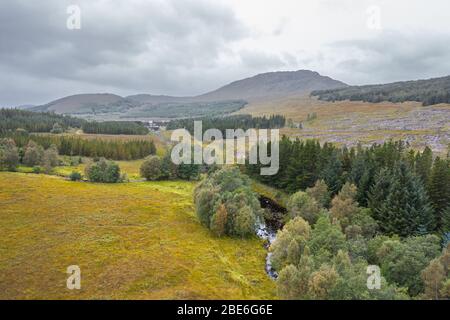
131	241
276	195
131	168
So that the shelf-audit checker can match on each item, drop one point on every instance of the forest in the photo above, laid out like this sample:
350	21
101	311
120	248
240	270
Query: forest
387	176
186	109
115	127
347	209
12	119
78	146
429	92
243	122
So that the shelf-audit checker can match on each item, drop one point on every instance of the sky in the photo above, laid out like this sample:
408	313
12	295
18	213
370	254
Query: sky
50	49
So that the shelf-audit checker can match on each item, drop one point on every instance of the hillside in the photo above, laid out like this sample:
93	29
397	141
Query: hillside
79	103
429	92
131	241
274	84
352	122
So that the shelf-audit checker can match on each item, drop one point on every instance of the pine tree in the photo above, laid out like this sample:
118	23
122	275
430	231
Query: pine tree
439	189
332	174
424	162
400	203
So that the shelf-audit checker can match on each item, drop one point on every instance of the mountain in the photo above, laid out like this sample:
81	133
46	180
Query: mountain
429	92
273	85
227	99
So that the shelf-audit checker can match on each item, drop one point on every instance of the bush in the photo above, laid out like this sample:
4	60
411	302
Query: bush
103	171
155	168
37	169
75	176
151	169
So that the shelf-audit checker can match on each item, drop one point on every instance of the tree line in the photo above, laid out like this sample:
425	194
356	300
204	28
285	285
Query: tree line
115	127
78	146
230	122
31	155
12	119
429	92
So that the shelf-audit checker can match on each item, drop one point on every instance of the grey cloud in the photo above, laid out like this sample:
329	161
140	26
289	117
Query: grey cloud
183	47
393	56
133	46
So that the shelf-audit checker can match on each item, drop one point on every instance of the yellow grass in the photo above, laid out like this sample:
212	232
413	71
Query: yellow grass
131	241
297	108
350	122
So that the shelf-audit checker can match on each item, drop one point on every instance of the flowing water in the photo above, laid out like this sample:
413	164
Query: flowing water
273	221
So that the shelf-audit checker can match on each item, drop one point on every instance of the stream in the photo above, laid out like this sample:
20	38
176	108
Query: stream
268	229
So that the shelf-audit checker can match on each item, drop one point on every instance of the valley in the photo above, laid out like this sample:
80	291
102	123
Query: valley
78	187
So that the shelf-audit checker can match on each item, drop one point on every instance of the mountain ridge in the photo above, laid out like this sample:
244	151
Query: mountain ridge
261	86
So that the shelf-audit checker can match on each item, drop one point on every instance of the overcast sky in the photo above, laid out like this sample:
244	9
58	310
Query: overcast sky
188	47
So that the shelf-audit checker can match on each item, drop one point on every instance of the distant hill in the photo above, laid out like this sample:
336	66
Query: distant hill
80	103
25	106
156	99
429	92
273	85
227	99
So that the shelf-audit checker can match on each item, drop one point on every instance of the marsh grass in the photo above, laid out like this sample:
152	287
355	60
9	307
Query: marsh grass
132	241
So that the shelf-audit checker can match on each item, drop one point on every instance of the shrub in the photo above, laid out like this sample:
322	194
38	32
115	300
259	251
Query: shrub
151	169
103	171
75	176
37	169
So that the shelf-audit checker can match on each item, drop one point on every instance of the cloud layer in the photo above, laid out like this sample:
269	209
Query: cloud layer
188	47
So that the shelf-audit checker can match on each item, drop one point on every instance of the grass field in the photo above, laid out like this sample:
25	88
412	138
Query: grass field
132	241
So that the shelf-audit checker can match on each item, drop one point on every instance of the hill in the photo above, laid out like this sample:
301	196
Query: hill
429	92
80	103
274	84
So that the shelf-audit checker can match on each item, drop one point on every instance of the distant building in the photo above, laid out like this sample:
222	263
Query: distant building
156	125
